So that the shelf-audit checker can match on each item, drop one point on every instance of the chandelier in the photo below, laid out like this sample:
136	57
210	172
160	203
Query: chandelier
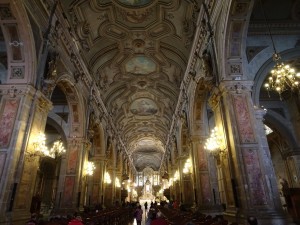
187	166
107	178
39	146
283	77
117	182
57	149
89	168
214	142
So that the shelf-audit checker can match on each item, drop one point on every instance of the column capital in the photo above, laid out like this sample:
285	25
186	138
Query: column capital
237	87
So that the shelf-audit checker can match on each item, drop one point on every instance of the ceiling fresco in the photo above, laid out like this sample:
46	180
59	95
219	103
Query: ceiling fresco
140	65
135	2
137	51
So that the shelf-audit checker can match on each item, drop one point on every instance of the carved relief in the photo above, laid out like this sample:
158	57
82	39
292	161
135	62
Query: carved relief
49	81
136	16
5	12
235	69
17	72
240	9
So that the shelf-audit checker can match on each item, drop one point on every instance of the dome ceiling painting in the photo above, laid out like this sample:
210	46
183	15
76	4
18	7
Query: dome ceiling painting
137	51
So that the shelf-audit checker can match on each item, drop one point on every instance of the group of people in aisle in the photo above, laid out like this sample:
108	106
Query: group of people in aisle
154	216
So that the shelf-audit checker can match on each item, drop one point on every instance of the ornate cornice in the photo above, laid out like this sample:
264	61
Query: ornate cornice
236	87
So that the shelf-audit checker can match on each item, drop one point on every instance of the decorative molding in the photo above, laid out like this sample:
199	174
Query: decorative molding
5	12
17	72
236	86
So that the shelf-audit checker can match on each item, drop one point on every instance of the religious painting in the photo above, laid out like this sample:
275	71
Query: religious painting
135	2
143	107
140	65
7	119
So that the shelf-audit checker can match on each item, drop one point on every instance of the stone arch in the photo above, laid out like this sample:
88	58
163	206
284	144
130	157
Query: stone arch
76	106
20	44
279	124
198	109
237	22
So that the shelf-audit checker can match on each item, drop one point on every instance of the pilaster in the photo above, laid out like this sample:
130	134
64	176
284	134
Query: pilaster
248	159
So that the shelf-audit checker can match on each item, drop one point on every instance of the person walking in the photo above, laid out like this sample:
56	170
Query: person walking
138	215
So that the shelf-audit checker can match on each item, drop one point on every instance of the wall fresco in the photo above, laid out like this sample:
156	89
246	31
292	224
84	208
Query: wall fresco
8	114
243	119
72	161
255	179
68	191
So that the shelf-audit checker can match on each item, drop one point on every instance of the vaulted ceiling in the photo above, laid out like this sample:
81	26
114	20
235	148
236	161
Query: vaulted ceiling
137	51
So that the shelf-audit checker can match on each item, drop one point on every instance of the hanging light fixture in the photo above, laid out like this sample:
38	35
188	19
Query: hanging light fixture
187	166
57	149
39	146
283	77
89	168
107	178
214	142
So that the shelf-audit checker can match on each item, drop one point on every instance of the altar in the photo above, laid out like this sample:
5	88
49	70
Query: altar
147	193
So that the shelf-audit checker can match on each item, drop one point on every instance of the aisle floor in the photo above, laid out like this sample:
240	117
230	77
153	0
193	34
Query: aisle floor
144	217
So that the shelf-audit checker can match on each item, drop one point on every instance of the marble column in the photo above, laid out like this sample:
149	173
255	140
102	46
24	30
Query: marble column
247	158
96	181
206	184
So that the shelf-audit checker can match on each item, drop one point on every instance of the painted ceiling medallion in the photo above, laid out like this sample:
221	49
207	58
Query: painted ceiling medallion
140	65
143	107
136	3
